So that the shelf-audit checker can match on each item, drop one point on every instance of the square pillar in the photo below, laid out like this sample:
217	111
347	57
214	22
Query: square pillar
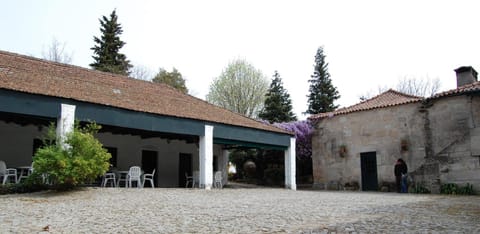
224	166
290	166
206	158
65	123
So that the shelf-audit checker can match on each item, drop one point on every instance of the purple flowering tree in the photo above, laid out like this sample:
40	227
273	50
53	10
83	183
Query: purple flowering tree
303	133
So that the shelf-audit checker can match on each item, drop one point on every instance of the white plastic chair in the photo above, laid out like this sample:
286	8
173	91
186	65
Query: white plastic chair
109	177
122	177
134	174
189	180
7	172
217	180
149	177
25	173
196	178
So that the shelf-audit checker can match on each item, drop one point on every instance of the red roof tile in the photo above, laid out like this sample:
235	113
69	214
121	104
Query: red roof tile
385	99
474	87
37	76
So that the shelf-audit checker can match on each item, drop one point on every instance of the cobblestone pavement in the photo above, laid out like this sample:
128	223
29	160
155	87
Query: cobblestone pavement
119	210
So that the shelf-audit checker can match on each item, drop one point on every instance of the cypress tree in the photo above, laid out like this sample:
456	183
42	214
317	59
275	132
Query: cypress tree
106	50
277	106
322	92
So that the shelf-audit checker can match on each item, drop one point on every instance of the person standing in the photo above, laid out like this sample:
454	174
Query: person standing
399	170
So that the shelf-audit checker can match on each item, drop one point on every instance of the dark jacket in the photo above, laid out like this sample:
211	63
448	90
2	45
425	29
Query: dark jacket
400	168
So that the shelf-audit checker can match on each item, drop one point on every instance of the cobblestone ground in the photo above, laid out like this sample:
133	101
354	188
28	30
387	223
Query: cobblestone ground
119	210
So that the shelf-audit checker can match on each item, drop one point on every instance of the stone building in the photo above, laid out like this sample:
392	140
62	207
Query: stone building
438	137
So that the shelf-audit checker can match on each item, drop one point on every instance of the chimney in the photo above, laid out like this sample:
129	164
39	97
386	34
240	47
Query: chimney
466	75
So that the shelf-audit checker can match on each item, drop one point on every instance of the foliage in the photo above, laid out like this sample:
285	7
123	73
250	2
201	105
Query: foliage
420	188
274	175
455	189
82	160
106	56
238	157
56	52
322	92
303	134
173	79
277	106
21	188
240	88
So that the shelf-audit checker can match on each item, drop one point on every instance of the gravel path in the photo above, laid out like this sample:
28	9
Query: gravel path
120	210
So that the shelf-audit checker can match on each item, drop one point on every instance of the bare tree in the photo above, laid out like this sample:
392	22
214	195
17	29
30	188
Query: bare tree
419	87
56	52
141	72
423	87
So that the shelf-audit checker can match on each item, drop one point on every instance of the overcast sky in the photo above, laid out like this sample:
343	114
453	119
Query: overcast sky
367	43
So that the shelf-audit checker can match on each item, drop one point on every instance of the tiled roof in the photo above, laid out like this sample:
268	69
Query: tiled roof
474	87
37	76
385	99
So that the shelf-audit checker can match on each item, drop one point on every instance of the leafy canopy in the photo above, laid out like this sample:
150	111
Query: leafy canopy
277	106
173	79
107	56
240	88
322	92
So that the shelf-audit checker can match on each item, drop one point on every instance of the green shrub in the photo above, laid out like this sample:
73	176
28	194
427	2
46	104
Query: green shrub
31	184
274	176
420	188
82	160
455	189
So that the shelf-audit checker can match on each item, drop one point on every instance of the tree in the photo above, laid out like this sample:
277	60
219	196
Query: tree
56	52
418	87
240	88
173	79
107	56
422	87
322	92
141	72
277	106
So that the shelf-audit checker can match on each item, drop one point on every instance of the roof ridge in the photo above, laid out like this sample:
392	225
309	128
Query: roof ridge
369	104
457	90
140	93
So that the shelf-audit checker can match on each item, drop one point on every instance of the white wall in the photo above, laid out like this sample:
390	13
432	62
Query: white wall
16	146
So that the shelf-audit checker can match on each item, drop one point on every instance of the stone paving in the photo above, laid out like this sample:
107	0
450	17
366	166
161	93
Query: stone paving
120	210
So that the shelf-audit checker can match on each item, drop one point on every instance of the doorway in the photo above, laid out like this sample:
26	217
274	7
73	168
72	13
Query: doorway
184	166
149	162
368	163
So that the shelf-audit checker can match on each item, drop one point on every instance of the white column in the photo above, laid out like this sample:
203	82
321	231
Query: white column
65	123
206	158
290	167
224	167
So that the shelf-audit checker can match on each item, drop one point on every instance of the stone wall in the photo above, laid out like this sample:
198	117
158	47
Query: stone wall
454	123
439	140
381	130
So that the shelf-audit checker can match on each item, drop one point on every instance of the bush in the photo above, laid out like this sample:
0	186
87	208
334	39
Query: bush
274	176
420	188
455	189
82	160
33	183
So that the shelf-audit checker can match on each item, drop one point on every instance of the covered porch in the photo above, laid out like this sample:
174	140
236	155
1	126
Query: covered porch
144	123
172	146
